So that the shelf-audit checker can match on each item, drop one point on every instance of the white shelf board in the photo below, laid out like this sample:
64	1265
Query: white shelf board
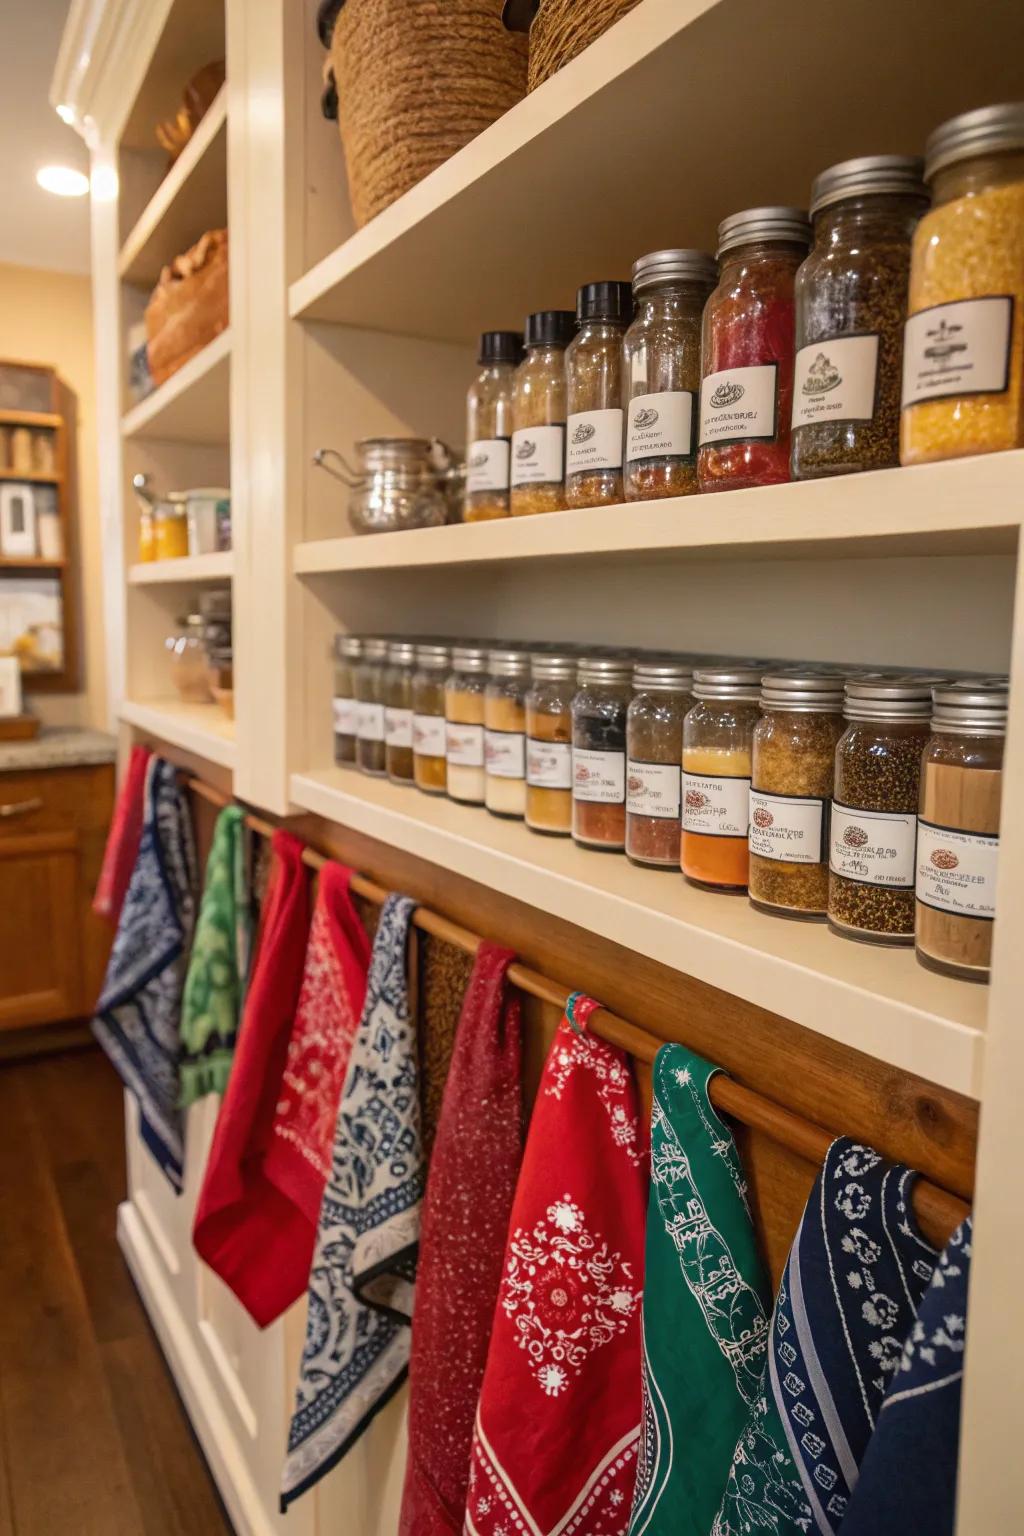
193	406
192	198
200	728
215	567
875	1000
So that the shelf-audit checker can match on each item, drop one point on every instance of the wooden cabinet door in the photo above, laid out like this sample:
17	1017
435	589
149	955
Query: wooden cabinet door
40	966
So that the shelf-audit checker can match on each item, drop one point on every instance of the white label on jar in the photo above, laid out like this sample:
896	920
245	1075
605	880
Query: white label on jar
593	441
398	727
548	764
873	847
660	426
487	464
956	871
538	455
505	754
653	790
716	807
370	722
958	349
786	827
428	735
345	719
464	745
835	380
598	776
738	404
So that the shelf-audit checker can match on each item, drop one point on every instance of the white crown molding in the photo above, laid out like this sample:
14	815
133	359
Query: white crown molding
105	50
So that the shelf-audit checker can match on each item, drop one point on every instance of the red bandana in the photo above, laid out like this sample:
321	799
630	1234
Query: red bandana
123	839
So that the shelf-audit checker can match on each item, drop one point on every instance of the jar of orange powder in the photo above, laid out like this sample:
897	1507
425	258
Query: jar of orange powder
717	736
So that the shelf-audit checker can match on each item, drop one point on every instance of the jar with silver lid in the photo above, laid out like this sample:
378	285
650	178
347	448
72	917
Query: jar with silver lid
398	711
369	680
348	650
505	732
654	749
433	663
599	752
717	743
549	742
397	482
464	724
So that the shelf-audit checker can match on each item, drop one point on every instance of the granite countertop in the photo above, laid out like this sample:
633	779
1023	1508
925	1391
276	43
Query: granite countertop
58	747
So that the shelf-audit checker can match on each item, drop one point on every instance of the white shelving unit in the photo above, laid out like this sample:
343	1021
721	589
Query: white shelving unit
201	729
188	570
192	406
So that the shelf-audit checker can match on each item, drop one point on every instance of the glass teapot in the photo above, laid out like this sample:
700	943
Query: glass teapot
398	482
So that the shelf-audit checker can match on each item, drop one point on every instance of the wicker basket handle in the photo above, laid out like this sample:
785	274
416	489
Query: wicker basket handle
516	15
329	94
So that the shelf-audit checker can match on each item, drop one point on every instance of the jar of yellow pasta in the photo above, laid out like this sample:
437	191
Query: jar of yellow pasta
963	355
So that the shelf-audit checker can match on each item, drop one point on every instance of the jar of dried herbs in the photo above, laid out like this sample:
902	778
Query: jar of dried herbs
958	828
717	743
549	743
599	752
791	777
464	724
593	373
505	732
489	426
398	711
538	415
661	360
851	302
654	745
347	651
873	833
429	764
369	679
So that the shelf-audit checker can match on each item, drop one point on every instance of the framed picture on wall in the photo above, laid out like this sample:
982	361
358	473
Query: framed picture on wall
32	623
17	522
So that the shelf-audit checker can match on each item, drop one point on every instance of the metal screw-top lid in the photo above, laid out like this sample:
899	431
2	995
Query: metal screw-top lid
550	328
890	696
869	176
375	650
789	224
742	684
553	667
674	267
500	347
609	301
613	670
795	690
973	706
469	658
986	131
508	663
666	674
216	605
401	653
433	657
348	647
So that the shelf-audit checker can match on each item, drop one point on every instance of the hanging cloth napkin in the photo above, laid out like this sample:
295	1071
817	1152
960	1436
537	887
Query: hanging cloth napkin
466	1210
245	1229
123	839
217	968
852	1287
362	1282
907	1481
558	1426
707	1302
139	1010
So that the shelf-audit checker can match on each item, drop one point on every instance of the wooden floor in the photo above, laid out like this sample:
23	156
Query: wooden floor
93	1438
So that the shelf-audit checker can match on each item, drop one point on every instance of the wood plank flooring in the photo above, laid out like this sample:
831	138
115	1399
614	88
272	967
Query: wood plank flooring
93	1437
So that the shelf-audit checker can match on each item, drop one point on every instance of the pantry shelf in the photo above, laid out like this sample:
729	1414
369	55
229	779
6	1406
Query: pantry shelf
215	567
199	728
193	405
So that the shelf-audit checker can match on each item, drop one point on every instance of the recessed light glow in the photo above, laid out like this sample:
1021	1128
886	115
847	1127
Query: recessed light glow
66	113
62	181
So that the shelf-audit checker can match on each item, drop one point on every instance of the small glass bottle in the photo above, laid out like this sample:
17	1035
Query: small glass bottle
792	771
717	740
489	426
188	660
170	528
464	724
549	743
593	374
599	752
505	732
369	679
348	650
428	747
538	415
746	393
661	361
398	711
654	749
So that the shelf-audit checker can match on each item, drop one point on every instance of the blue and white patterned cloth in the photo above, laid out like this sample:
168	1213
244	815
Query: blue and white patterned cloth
362	1282
138	1015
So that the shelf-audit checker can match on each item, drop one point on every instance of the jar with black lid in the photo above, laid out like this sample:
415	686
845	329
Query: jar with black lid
593	373
489	426
369	678
464	724
505	732
851	301
599	752
654	749
428	727
549	742
347	651
398	711
538	415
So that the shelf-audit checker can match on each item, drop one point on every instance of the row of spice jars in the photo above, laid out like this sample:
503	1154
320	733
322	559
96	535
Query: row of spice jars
897	338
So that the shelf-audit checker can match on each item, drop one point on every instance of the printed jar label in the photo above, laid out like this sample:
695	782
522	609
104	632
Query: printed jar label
652	789
464	745
428	735
487	464
660	426
716	807
835	380
505	754
593	441
538	455
398	727
548	764
958	349
786	827
598	776
738	404
345	720
956	871
370	722
873	847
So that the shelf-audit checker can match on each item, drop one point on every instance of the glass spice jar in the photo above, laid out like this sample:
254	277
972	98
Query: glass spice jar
369	681
599	752
538	415
505	732
464	724
549	743
654	743
791	776
489	426
188	660
958	828
593	373
398	711
170	528
851	302
717	742
746	392
873	830
429	764
348	650
661	361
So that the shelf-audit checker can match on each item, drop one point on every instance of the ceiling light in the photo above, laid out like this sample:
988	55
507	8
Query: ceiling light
66	113
62	181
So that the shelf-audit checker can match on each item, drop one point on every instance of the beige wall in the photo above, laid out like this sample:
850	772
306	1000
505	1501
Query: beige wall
46	317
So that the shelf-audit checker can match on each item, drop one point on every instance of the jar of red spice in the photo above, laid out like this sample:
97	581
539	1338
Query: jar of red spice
746	395
599	752
654	740
717	736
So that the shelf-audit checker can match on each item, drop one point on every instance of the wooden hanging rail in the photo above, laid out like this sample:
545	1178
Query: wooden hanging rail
939	1212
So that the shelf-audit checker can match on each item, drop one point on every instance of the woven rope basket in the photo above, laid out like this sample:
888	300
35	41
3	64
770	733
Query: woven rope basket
563	28
415	81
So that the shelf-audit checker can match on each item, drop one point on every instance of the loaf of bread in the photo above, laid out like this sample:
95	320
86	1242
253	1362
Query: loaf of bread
189	305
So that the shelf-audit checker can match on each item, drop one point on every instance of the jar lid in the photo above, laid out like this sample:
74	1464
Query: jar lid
986	131
869	176
500	347
348	647
434	656
791	224
550	328
401	653
975	706
796	690
469	658
742	684
216	605
605	301
890	696
508	663
665	672
553	666
604	669
674	267
177	500
375	649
